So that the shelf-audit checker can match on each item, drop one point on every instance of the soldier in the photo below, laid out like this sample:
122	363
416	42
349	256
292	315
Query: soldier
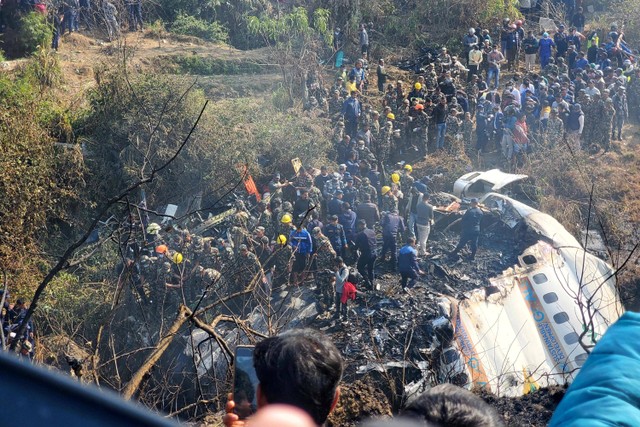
554	134
406	180
367	189
336	235
350	192
265	220
248	269
602	133
332	185
282	261
335	104
324	259
285	225
389	200
622	111
163	293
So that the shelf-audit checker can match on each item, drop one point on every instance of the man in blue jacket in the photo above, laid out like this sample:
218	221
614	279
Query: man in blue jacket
408	264
302	246
351	110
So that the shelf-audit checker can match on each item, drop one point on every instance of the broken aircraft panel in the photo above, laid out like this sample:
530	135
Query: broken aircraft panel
535	323
477	184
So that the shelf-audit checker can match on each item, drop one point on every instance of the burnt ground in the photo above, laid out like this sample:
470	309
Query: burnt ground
531	410
389	342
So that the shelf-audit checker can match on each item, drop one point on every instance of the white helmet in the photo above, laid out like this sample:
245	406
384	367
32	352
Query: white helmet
472	31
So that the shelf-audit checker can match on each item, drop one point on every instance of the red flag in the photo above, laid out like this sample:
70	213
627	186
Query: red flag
250	186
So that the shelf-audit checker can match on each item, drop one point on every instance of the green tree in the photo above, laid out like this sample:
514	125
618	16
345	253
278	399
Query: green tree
295	40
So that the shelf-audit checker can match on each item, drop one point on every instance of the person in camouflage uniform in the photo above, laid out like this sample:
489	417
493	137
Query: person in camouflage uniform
591	107
368	189
335	104
364	153
406	180
605	128
248	269
282	260
389	202
551	69
634	95
454	134
472	94
467	133
554	133
163	294
622	111
385	142
264	219
325	256
562	67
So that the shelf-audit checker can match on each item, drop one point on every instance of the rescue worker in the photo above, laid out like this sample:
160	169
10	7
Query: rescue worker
324	257
470	233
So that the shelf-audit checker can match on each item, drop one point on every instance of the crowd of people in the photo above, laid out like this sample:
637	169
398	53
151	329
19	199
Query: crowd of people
86	15
510	92
12	314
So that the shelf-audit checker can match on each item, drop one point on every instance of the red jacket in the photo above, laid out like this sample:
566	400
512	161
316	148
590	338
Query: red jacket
348	292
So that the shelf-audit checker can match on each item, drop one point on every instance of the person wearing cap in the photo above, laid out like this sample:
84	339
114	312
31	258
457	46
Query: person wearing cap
470	42
302	205
351	110
276	185
512	46
561	41
545	46
336	234
324	259
250	270
332	185
604	130
334	206
622	111
392	227
367	189
470	229
366	244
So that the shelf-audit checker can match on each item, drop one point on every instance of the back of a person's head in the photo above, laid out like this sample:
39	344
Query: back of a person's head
452	406
301	367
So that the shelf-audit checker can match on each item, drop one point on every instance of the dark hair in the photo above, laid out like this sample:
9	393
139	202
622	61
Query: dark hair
452	406
301	367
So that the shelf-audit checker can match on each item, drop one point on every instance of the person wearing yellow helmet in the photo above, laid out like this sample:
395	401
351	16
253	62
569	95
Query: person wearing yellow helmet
286	219
391	116
395	178
281	240
385	190
406	180
416	92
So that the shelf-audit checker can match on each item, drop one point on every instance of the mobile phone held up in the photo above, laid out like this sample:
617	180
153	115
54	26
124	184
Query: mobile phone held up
245	383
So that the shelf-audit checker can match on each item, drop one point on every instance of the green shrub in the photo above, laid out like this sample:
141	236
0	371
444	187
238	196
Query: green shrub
2	58
206	66
191	26
34	31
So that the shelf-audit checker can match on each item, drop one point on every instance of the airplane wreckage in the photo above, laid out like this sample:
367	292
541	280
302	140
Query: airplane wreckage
523	316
